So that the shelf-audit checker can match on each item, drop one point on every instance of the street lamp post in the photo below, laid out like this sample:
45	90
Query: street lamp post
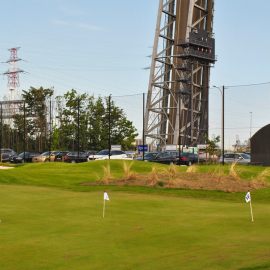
222	119
179	122
250	125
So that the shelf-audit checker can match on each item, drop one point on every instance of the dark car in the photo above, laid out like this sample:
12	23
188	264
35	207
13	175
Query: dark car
189	159
60	156
72	157
174	154
6	154
28	157
159	157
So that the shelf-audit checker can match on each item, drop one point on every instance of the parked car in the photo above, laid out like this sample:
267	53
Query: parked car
28	157
90	152
104	154
174	153
7	154
61	155
189	159
72	157
159	157
46	157
240	158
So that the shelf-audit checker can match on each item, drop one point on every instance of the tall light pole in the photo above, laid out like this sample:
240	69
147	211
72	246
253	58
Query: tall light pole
222	118
250	125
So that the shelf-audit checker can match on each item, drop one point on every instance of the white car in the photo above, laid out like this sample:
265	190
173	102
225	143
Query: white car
240	158
104	154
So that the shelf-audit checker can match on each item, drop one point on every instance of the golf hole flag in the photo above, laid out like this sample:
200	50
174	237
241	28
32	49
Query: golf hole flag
248	199
105	198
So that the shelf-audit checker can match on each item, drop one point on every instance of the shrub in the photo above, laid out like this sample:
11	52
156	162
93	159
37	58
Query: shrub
160	183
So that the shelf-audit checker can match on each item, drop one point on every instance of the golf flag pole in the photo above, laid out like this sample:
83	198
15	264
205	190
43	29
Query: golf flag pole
103	208
248	199
106	197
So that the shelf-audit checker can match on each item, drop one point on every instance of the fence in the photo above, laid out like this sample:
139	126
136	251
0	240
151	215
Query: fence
84	122
72	123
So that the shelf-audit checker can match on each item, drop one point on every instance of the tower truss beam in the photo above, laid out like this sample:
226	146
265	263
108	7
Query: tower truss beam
183	53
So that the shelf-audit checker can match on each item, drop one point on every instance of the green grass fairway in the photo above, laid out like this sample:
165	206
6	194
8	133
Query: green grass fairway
46	228
70	176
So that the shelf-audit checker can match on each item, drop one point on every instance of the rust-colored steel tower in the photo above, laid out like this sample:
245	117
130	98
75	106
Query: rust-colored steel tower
183	53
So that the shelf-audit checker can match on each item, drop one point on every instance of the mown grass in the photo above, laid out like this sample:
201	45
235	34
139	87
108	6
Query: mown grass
48	228
3	164
71	176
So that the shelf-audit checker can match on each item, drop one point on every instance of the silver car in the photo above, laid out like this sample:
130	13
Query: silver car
240	158
104	154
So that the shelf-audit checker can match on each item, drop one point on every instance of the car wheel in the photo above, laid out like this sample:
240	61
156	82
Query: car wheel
189	163
73	161
46	160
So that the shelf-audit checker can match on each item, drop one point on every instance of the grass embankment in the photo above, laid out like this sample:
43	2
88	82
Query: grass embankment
6	164
71	176
45	228
48	224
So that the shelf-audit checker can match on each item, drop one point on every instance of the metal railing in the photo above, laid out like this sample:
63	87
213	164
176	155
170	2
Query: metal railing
194	41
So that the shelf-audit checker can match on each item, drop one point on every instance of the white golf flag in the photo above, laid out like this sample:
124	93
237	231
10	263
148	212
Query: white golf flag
106	197
247	197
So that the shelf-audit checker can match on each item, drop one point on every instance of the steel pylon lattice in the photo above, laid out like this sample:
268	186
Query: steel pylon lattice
183	52
13	95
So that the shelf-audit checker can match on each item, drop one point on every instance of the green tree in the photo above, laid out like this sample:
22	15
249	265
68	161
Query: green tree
36	110
212	145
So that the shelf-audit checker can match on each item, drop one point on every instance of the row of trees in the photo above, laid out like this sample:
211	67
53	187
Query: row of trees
55	121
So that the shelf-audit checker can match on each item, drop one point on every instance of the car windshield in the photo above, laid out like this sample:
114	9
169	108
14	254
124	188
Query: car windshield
245	156
174	154
150	155
72	154
45	154
184	154
22	154
63	153
103	152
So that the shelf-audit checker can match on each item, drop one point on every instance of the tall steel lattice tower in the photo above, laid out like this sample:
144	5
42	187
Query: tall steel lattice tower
184	50
13	97
13	85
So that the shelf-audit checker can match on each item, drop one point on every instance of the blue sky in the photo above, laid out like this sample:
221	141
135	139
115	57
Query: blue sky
101	47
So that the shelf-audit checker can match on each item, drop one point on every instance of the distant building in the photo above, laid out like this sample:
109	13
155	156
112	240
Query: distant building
260	146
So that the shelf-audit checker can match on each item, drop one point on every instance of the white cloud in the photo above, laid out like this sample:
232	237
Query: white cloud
69	10
80	25
89	26
59	22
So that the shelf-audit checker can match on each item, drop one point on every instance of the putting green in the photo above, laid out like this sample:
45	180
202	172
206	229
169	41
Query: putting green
45	228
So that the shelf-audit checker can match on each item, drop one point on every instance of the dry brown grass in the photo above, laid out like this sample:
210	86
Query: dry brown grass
172	173
107	173
261	179
218	173
154	175
252	183
262	176
132	176
127	167
192	170
129	174
234	173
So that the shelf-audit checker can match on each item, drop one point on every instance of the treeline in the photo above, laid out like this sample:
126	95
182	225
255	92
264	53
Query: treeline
55	121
